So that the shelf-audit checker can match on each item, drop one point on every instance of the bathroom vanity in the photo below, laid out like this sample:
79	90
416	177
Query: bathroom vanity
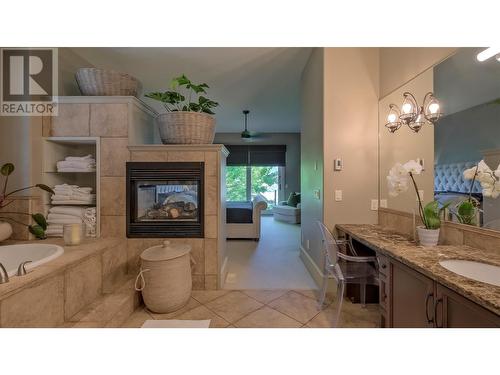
416	291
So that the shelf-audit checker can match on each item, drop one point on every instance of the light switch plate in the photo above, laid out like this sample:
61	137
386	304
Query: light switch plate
338	195
317	194
338	164
383	203
374	205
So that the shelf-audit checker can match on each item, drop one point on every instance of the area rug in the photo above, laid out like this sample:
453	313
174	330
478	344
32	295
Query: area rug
176	324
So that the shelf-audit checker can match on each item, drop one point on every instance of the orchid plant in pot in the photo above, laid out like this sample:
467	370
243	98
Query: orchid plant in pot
467	209
398	182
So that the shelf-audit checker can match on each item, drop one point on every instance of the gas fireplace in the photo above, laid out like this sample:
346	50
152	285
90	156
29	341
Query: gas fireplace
165	199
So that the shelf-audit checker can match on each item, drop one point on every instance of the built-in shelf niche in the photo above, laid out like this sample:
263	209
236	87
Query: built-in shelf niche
56	149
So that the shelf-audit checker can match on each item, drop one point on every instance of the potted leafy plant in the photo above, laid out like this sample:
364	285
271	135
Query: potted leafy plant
430	215
38	229
189	117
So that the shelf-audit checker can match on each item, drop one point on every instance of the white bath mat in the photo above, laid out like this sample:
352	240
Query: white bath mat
176	323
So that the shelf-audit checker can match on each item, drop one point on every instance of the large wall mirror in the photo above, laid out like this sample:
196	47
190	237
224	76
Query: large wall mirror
466	134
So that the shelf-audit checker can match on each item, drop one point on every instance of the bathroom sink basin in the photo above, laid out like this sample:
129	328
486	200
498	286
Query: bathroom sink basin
478	271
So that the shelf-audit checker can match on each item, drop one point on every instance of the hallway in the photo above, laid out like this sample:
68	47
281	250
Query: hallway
271	263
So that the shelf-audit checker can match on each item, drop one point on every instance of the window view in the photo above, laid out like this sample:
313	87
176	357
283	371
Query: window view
245	182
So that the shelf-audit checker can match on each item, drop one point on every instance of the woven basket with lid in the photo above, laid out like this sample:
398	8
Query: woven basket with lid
166	272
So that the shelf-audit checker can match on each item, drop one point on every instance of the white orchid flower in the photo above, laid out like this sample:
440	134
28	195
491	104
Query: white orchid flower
413	167
470	173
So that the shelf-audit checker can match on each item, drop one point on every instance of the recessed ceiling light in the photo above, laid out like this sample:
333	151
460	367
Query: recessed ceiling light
488	53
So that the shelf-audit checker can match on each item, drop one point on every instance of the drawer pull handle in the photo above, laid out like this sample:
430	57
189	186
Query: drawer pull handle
429	320
384	266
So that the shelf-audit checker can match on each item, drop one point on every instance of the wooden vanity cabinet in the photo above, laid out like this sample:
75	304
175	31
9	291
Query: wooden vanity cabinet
454	311
416	301
410	298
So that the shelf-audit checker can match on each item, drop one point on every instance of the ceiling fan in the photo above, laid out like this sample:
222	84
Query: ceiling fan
247	135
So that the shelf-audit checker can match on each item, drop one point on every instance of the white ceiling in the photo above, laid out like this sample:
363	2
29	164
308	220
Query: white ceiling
264	80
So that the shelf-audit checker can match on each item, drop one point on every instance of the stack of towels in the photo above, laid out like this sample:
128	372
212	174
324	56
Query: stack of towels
60	215
72	194
77	164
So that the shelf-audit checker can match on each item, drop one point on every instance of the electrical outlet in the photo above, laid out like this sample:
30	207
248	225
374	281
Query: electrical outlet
338	195
383	203
374	206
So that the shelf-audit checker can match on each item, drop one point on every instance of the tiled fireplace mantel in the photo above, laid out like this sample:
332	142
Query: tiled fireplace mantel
208	252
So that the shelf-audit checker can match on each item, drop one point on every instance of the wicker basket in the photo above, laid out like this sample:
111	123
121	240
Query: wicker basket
99	82
165	277
186	128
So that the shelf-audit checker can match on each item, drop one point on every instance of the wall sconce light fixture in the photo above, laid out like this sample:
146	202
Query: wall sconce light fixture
413	115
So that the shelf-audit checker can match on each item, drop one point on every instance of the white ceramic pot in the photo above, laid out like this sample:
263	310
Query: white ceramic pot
428	237
5	230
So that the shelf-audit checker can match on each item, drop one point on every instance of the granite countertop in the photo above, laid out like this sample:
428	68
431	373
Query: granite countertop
426	261
72	255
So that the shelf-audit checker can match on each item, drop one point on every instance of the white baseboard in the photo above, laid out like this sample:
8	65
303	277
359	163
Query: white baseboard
314	270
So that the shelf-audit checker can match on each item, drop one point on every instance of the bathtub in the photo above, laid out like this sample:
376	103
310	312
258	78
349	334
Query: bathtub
13	255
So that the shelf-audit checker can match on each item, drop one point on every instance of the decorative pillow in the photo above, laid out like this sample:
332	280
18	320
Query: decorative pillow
293	200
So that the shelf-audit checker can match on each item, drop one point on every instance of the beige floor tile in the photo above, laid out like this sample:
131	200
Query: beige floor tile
204	296
265	295
296	306
352	316
308	293
192	303
267	318
137	319
202	313
233	306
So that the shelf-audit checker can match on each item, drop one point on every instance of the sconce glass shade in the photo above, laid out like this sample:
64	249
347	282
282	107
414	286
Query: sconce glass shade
419	122
409	108
432	108
393	122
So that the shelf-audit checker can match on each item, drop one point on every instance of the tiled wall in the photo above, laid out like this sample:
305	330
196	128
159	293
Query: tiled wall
451	233
21	208
111	122
66	288
204	250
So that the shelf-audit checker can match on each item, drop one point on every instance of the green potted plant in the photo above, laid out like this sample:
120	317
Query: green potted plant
189	117
398	181
38	229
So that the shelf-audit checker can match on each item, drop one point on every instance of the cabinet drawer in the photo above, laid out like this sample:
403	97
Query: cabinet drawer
383	264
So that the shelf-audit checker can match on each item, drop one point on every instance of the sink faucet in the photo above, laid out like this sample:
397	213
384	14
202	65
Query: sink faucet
4	276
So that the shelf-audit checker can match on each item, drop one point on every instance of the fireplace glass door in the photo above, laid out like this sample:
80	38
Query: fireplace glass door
166	201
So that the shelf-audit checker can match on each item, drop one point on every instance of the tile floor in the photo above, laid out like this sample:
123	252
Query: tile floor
262	309
271	263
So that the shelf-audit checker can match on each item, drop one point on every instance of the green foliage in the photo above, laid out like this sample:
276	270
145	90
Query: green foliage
38	229
175	101
7	169
432	215
40	220
263	179
466	212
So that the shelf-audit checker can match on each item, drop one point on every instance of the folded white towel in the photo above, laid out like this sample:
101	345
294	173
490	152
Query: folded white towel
70	220
78	158
73	201
71	188
51	217
90	169
77	196
68	210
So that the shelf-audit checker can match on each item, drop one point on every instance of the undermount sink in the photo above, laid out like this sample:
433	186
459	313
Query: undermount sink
478	271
